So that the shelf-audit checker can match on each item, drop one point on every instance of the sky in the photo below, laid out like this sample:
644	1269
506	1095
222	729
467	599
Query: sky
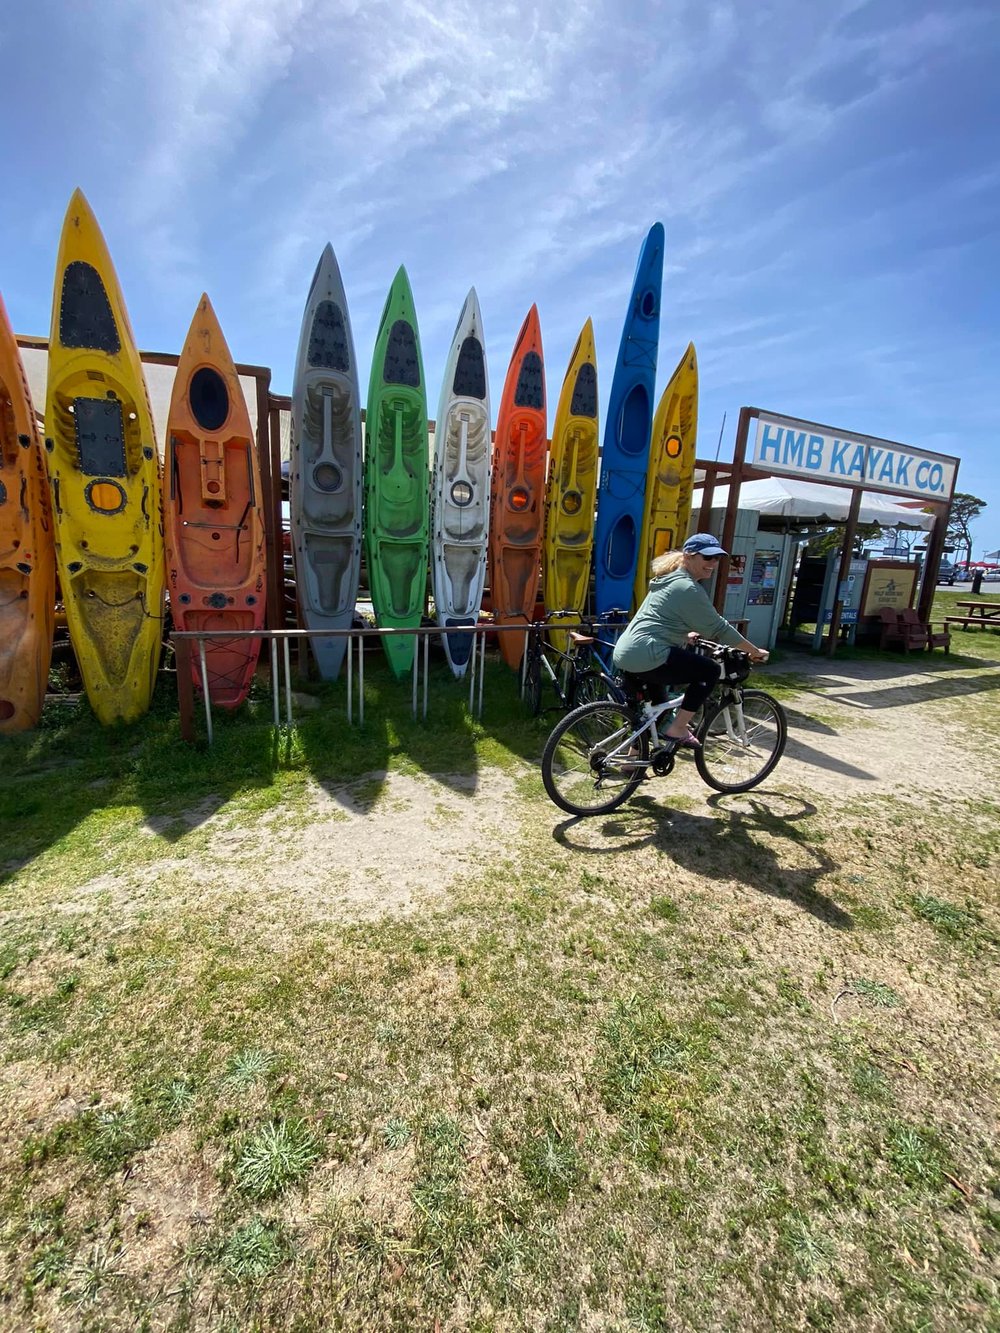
826	173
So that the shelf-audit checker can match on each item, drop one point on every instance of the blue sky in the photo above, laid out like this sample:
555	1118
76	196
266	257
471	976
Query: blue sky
827	176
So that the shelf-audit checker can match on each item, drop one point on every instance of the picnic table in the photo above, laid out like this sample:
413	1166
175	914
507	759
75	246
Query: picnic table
976	613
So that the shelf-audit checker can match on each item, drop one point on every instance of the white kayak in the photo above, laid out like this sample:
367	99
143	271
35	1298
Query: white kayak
460	487
325	476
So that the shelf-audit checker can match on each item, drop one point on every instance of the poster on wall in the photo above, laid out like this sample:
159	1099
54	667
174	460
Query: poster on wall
764	578
889	585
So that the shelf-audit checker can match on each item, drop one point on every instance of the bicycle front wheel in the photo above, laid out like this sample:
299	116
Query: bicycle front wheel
589	765
741	741
591	686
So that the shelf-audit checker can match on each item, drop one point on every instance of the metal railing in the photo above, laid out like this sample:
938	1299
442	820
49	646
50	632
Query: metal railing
188	643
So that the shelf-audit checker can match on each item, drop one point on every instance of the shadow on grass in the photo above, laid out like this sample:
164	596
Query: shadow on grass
339	754
725	845
56	777
902	693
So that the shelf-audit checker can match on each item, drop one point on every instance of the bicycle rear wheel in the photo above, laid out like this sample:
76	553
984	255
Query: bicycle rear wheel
591	686
741	741
584	762
533	676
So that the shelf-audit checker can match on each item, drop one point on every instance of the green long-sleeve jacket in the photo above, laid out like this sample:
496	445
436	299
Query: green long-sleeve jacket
674	607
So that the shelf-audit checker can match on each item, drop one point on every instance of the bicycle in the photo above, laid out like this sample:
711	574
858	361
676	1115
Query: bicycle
596	756
582	675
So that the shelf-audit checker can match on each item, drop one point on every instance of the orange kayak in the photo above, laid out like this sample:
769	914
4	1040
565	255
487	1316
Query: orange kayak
517	491
214	524
27	548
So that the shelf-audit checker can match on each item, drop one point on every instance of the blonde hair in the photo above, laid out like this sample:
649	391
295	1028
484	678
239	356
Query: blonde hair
666	563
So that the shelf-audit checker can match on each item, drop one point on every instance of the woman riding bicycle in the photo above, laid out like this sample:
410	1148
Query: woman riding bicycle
675	610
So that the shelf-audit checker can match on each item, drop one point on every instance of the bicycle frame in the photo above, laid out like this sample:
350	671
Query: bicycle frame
651	714
572	662
728	698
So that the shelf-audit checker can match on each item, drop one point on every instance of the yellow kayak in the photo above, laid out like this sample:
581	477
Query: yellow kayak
571	494
27	556
104	474
670	479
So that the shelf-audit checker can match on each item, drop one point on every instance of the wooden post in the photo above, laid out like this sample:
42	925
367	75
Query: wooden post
933	562
270	506
729	526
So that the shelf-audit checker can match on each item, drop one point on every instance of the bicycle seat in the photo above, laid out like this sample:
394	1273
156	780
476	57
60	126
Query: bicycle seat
580	638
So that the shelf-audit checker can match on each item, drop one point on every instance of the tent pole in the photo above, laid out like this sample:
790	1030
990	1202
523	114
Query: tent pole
846	551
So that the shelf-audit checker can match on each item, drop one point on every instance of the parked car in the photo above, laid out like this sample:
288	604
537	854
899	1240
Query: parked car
948	573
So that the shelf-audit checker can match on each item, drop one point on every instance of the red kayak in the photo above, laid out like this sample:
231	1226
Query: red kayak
214	524
517	491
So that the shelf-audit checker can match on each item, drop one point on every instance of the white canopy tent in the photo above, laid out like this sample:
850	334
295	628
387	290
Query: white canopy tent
783	497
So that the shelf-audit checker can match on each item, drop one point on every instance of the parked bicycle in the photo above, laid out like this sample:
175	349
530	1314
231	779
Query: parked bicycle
578	675
597	755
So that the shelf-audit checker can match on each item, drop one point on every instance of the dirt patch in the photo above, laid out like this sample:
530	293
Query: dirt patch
171	1196
881	732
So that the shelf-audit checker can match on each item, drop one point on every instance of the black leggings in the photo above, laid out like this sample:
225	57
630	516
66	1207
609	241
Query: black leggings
682	667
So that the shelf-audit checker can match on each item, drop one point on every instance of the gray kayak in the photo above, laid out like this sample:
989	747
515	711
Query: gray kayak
325	475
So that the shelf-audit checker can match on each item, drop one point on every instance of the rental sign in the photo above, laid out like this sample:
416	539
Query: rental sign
793	448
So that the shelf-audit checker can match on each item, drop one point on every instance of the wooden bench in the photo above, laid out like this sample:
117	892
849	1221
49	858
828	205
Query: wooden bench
969	622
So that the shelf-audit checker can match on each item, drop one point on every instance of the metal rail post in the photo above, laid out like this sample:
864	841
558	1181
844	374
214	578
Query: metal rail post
206	692
288	679
350	679
427	648
275	698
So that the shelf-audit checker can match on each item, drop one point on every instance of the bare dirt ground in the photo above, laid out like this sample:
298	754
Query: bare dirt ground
866	727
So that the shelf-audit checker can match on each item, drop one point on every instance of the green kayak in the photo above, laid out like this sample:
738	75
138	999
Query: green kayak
396	476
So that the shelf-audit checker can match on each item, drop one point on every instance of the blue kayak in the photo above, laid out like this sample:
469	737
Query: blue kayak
622	488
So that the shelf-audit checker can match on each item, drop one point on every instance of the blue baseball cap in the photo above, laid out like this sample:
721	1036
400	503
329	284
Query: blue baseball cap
703	543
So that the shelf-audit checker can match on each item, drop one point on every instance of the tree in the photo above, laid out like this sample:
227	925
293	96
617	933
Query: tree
833	538
964	509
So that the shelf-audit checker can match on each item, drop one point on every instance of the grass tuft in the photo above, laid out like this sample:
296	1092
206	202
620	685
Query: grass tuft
248	1067
944	917
111	1137
94	1270
49	1265
916	1154
878	994
551	1165
811	1249
275	1156
254	1250
396	1133
665	909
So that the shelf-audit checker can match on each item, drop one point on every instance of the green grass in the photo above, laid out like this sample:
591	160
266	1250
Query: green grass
581	1074
273	1157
